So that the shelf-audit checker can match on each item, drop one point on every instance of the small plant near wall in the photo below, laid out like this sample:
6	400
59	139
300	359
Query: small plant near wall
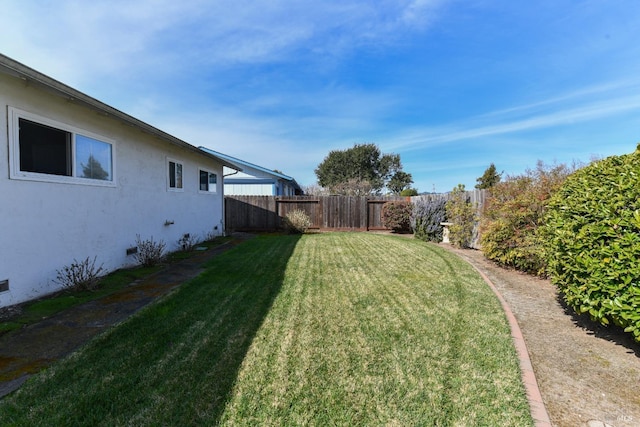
296	222
149	252
187	242
79	275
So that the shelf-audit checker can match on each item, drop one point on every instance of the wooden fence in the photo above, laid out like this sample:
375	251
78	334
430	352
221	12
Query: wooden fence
348	213
264	213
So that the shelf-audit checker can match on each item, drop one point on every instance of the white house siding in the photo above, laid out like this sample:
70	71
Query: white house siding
44	226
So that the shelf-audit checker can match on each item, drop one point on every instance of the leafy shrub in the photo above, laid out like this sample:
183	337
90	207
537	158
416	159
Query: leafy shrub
296	222
80	275
187	242
513	212
593	241
396	216
426	218
409	192
462	213
149	252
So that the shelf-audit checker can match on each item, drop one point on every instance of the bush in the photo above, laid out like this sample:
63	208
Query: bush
513	212
149	252
296	222
409	192
426	218
80	275
396	216
593	241
188	241
462	214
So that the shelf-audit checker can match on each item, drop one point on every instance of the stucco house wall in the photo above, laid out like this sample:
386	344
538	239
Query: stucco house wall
47	221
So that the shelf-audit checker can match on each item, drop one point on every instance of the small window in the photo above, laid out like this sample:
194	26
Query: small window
208	181
175	175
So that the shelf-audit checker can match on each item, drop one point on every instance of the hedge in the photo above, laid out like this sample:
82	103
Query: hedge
593	241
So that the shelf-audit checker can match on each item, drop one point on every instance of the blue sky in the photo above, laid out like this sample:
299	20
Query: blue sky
449	85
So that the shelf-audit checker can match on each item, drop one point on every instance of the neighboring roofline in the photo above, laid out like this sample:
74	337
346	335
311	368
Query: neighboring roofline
247	164
30	76
250	181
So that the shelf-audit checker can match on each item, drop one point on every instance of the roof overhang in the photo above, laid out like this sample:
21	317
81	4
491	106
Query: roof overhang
34	78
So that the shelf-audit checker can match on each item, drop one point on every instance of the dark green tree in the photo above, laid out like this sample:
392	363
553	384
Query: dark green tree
399	182
363	164
93	169
489	178
409	192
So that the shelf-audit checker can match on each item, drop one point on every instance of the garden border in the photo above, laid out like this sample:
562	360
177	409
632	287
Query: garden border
536	404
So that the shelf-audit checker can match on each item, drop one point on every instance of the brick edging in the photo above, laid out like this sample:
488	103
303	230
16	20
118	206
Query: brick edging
538	410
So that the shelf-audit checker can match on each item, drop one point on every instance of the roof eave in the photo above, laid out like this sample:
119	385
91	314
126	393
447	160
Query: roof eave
31	76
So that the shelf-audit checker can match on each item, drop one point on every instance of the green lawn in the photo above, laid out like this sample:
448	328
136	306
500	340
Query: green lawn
322	329
107	285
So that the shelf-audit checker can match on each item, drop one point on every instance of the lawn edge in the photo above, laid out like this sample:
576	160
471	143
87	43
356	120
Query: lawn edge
536	404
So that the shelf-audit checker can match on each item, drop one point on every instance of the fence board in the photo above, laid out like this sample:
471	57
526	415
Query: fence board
263	213
374	214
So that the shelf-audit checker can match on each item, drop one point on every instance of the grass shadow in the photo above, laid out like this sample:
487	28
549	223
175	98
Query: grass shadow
254	281
173	363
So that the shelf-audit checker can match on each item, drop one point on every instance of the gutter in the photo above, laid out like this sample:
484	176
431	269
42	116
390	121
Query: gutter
32	77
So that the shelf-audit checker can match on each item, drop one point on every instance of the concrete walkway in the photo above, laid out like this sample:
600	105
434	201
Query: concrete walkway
27	351
587	374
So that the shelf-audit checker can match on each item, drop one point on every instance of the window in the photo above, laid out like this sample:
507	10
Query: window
175	175
44	150
208	181
93	158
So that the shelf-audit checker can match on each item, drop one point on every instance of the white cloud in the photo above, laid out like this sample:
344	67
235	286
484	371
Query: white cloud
529	117
109	37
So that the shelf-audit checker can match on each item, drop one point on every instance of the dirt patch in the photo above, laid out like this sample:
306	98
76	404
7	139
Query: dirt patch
585	372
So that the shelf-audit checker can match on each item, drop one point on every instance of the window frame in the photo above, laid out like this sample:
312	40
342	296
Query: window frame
167	174
209	190
13	124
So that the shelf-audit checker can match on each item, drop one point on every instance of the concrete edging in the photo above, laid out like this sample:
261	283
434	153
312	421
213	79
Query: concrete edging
538	410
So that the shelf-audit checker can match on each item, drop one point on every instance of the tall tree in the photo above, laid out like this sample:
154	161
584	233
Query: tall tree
93	169
361	166
489	178
399	182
